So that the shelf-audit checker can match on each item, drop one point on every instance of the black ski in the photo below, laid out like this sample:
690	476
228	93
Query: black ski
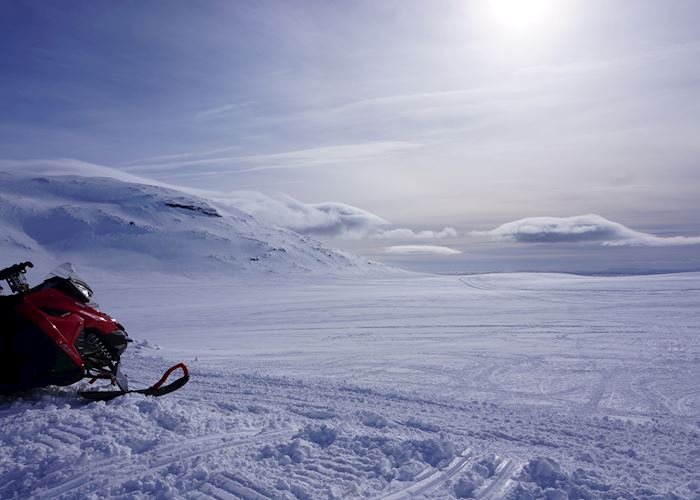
156	390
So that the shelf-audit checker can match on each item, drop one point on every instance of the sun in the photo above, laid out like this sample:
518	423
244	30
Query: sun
521	14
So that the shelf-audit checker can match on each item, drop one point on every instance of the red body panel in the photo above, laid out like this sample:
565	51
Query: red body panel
64	330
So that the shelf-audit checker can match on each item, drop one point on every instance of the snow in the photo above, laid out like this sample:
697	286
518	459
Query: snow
349	380
112	224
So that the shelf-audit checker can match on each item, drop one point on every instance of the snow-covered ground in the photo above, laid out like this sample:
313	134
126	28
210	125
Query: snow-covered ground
522	385
318	374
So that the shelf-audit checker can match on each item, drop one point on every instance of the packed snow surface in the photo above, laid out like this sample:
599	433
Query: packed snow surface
491	386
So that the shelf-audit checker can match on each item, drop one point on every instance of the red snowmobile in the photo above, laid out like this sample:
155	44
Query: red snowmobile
53	334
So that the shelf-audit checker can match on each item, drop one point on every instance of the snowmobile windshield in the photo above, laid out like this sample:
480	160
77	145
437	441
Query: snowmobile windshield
66	271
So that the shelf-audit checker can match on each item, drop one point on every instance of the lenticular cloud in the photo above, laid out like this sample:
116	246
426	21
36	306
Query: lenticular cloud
407	234
421	250
589	228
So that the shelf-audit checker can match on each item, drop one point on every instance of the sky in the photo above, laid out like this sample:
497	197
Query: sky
448	136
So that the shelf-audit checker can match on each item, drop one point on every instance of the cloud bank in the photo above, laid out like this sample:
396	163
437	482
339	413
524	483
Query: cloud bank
421	250
590	228
329	219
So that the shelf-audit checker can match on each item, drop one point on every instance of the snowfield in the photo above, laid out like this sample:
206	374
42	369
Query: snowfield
318	374
491	386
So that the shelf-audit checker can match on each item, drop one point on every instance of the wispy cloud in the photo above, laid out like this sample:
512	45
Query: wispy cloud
343	153
157	161
67	166
589	228
222	110
301	158
421	250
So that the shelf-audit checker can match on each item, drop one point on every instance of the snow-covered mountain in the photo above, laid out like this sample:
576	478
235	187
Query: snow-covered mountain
102	221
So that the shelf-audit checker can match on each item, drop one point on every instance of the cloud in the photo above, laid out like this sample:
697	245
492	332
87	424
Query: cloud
421	250
222	110
322	219
408	234
342	153
329	219
69	166
300	158
590	228
196	155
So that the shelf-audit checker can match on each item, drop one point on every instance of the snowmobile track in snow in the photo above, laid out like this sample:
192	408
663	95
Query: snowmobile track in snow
497	486
108	471
502	482
423	485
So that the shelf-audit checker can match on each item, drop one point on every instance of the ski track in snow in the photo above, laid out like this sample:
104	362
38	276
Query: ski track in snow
487	386
119	471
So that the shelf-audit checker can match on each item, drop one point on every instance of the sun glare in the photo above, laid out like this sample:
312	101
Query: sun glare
521	14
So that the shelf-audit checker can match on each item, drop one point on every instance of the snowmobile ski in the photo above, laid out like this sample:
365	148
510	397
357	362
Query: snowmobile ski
157	389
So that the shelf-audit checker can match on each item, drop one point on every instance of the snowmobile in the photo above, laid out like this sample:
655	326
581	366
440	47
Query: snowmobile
53	334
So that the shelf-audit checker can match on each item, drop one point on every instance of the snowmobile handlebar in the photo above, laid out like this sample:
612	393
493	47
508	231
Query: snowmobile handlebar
14	278
11	271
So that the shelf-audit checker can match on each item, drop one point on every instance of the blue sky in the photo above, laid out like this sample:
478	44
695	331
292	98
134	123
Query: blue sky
439	121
